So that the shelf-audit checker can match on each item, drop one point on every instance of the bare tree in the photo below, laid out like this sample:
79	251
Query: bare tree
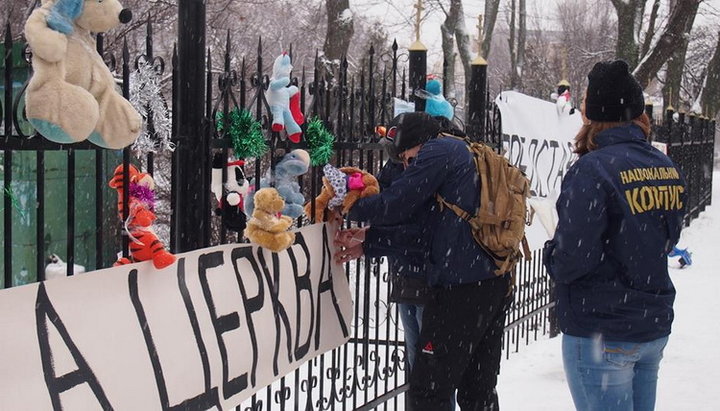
340	29
491	12
672	38
517	45
447	30
708	100
650	33
676	63
462	37
630	14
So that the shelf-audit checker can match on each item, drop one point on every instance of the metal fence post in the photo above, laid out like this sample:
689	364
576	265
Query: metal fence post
649	110
418	72
477	90
712	158
191	200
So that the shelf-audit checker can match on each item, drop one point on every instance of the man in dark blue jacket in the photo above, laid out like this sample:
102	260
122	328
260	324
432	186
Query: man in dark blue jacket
462	324
620	212
404	246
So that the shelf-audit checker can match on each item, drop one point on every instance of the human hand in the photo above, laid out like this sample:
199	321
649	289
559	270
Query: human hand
350	237
343	255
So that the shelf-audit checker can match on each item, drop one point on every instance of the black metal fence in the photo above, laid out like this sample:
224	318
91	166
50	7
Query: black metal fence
56	200
690	142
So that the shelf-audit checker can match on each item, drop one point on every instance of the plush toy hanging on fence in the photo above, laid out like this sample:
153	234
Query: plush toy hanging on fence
266	228
72	95
231	193
284	179
341	189
144	243
563	99
284	101
435	103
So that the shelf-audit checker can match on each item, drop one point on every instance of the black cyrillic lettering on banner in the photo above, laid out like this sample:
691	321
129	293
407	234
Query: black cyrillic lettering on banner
210	391
302	283
532	174
203	401
555	177
45	311
222	324
251	304
280	314
325	286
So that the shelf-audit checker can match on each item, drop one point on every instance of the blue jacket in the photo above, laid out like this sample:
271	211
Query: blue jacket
404	244
620	212
445	166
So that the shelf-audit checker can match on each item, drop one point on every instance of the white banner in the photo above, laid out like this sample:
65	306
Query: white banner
206	332
539	139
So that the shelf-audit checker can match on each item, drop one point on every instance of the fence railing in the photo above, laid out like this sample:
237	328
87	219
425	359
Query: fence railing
690	142
56	199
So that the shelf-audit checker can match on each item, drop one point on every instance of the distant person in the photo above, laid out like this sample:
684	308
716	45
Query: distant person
620	211
462	322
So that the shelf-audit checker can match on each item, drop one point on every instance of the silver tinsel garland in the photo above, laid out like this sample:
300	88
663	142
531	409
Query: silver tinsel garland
146	97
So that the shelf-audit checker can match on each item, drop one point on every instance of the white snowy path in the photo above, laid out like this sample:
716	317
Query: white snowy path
533	379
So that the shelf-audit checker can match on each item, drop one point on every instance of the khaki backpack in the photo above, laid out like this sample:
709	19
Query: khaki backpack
498	225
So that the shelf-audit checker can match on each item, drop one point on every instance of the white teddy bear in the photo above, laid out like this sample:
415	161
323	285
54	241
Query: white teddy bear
72	95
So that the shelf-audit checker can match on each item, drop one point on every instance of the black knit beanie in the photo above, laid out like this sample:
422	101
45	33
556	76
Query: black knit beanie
613	94
408	130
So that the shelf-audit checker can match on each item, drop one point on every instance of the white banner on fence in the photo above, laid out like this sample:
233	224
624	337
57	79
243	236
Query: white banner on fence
206	332
539	140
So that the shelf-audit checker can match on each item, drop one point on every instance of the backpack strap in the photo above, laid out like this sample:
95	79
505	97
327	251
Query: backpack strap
526	249
457	210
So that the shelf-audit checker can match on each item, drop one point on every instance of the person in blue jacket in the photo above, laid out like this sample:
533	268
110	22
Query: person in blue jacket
404	247
462	323
620	211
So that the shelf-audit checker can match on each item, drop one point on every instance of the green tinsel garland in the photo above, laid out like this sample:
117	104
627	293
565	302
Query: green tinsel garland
320	142
245	133
14	201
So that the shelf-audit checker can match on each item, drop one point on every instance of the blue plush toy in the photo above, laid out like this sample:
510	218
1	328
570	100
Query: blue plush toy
435	103
685	256
284	179
284	100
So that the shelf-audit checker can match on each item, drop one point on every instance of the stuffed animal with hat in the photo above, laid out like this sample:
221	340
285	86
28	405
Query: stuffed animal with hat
284	101
72	95
341	189
144	243
435	103
231	193
563	99
284	179
265	228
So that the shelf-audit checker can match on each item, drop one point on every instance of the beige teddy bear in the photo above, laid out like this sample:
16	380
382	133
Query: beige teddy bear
265	227
72	95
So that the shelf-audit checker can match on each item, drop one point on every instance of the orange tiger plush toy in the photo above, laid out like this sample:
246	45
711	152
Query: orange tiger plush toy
144	243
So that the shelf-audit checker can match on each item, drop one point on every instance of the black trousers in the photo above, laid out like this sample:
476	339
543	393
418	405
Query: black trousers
460	347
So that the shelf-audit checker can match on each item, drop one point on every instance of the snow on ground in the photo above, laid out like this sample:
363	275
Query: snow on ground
533	379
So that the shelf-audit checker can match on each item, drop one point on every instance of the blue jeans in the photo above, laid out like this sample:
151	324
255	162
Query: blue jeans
611	375
411	318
